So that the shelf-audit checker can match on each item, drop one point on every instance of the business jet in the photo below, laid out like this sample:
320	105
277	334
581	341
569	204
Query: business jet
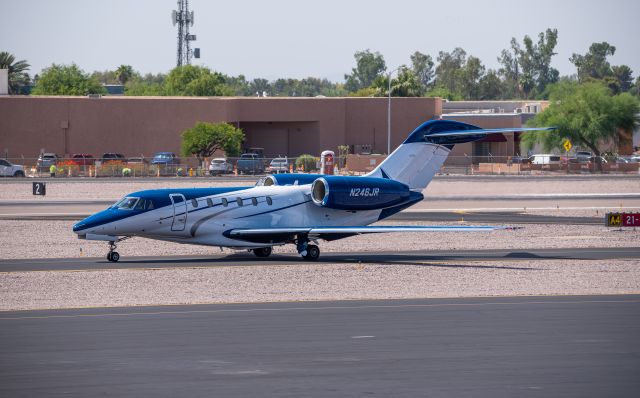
298	209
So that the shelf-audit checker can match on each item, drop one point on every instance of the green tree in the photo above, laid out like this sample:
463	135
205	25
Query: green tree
147	85
635	89
124	73
105	77
449	69
66	80
624	78
587	114
527	69
594	64
510	70
204	139
443	92
17	71
190	80
406	84
368	66
306	162
422	66
471	75
490	86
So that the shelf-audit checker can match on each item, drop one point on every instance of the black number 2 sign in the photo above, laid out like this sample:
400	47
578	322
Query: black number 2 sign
39	188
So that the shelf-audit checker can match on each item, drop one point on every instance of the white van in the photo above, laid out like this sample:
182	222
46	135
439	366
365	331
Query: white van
545	159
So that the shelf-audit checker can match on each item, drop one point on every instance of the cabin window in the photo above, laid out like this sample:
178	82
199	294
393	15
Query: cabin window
269	201
225	202
254	201
194	203
239	201
149	204
209	202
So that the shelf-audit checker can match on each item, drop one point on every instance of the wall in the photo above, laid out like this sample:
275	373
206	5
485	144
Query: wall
145	125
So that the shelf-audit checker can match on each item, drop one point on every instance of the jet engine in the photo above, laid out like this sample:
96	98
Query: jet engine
358	193
290	179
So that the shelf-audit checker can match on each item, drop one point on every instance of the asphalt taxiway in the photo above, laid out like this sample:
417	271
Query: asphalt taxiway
418	257
581	346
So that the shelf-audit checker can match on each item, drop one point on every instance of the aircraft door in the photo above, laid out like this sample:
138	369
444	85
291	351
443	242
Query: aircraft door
179	211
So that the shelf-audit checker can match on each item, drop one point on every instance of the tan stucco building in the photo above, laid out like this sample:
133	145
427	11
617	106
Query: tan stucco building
290	126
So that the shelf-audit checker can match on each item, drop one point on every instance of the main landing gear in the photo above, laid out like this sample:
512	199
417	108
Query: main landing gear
262	252
307	251
113	255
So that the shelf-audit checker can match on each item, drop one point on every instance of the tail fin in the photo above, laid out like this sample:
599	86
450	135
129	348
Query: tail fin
422	154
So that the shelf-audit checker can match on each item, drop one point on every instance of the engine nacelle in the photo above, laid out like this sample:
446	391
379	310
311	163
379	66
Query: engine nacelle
358	193
290	179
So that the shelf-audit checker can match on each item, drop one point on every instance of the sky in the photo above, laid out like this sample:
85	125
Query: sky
297	38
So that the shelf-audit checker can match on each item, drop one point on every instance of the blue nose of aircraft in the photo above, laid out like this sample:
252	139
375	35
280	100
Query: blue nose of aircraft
100	218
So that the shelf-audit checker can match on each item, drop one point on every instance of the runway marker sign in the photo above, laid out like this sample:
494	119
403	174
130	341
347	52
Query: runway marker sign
623	219
39	188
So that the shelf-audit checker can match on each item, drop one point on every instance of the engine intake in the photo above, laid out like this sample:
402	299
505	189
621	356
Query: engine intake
358	193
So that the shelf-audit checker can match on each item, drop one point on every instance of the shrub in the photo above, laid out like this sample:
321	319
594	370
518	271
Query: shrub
306	162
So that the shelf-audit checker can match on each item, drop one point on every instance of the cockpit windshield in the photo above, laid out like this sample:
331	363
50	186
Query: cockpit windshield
126	203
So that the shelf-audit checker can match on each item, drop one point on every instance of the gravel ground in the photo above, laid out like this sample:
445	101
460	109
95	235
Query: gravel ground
304	281
231	284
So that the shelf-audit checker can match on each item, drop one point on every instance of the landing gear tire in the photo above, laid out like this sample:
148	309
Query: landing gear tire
113	257
262	252
313	252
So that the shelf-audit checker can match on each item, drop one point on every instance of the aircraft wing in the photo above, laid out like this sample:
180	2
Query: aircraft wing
278	235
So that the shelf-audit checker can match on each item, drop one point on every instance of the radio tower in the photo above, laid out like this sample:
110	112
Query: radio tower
184	18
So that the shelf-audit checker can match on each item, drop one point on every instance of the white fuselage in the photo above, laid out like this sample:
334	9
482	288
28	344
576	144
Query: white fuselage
203	220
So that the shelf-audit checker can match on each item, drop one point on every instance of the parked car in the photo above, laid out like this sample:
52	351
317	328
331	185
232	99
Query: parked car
46	160
279	165
250	163
583	156
220	166
165	158
138	160
83	159
8	169
545	159
596	159
112	157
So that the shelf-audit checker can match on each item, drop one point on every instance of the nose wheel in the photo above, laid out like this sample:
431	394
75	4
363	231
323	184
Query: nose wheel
113	255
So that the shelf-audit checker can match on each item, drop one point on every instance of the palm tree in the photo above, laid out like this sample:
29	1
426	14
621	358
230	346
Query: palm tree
17	71
124	73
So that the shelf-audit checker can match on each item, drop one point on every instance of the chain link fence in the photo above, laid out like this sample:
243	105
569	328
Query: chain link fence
352	165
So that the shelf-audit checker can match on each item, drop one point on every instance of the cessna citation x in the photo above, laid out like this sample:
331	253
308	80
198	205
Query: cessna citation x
290	208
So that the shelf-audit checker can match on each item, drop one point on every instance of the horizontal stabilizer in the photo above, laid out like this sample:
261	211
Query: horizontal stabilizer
462	133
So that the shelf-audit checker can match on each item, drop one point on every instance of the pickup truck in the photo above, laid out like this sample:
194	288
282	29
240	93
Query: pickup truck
250	163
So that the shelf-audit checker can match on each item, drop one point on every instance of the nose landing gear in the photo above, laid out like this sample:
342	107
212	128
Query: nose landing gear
113	255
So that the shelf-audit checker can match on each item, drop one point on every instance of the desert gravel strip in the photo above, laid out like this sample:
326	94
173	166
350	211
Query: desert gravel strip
40	290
